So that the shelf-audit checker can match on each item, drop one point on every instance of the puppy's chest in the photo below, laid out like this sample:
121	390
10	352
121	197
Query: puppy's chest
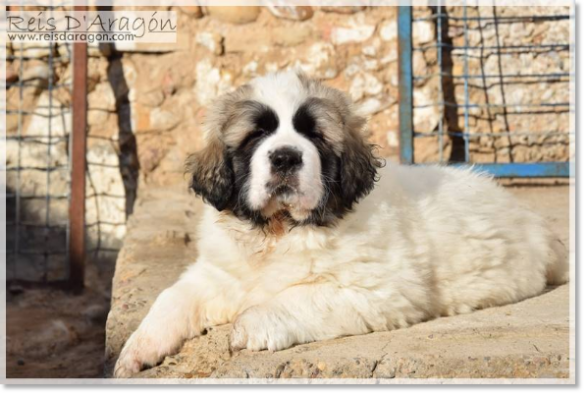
294	250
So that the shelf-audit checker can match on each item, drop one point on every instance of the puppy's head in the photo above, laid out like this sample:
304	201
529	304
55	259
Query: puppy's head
284	145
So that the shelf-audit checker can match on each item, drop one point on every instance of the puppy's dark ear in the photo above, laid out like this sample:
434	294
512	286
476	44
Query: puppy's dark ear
359	165
210	169
211	173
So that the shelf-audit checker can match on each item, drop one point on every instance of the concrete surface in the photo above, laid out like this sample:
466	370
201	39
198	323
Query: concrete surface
529	339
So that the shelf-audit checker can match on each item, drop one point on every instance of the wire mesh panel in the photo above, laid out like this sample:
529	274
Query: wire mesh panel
38	111
486	85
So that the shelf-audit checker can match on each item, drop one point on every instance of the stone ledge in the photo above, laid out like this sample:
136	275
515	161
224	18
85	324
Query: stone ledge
529	339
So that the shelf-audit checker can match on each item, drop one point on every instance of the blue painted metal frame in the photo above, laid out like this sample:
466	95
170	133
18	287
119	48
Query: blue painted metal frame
405	49
522	170
407	135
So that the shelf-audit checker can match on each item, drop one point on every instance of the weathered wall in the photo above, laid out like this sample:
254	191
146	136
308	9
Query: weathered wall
355	49
225	47
43	116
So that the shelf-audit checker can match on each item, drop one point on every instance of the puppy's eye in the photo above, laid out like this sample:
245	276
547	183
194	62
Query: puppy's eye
313	134
305	123
254	137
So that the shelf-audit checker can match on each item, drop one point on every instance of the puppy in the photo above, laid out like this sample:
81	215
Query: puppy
306	235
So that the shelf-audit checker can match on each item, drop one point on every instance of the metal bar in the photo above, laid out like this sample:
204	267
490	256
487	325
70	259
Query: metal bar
14	270
520	18
495	47
10	111
49	160
405	46
12	195
25	84
449	104
22	57
466	91
78	165
56	167
495	134
487	54
525	170
43	226
466	76
38	139
440	87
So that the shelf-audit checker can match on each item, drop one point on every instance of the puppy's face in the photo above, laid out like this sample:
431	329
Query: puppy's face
284	145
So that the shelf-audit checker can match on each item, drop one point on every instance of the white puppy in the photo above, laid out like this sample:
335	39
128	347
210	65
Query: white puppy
307	236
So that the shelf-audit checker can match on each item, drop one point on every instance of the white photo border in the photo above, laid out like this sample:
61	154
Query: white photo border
131	3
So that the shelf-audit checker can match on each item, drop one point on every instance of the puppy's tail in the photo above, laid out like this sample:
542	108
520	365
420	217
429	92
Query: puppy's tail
557	270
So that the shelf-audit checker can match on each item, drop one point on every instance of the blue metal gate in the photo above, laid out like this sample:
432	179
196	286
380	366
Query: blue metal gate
455	108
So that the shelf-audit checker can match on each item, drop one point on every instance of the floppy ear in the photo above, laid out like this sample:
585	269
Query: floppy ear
358	168
211	173
210	169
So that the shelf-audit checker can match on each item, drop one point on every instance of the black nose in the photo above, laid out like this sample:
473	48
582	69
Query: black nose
285	159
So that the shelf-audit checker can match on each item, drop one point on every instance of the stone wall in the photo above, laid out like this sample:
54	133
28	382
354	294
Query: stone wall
355	49
147	101
220	48
39	106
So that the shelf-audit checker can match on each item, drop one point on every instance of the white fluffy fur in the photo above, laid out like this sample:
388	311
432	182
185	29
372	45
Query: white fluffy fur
428	241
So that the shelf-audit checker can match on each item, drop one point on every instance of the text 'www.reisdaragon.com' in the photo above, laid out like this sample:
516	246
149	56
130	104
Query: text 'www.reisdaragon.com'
70	37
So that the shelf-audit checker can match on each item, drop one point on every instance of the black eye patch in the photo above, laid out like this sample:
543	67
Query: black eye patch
265	122
253	138
304	122
266	119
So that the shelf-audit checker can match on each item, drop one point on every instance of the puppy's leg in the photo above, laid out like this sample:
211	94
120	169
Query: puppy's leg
306	313
204	296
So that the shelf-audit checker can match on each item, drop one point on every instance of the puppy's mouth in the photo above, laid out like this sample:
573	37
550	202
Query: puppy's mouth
286	197
281	186
283	194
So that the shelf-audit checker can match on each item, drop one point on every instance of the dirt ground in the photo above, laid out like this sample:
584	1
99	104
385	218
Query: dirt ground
55	334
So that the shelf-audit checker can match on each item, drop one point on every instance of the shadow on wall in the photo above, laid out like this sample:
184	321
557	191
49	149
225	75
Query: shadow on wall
450	112
127	147
128	156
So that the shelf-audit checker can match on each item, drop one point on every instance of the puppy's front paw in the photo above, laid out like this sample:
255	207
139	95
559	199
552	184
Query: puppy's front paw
137	352
126	367
260	328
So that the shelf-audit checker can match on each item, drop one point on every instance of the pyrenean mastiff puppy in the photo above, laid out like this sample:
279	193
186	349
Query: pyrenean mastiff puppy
307	235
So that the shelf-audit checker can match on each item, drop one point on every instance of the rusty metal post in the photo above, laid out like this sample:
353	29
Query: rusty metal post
78	165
